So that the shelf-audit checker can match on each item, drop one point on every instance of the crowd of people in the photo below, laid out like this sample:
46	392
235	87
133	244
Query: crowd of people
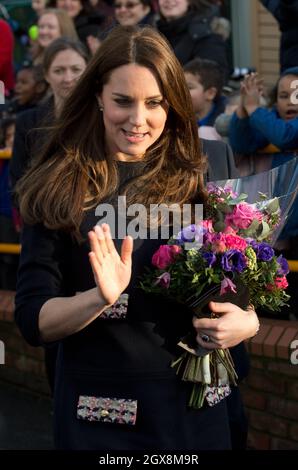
126	97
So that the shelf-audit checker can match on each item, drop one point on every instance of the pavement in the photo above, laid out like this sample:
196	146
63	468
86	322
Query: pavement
25	420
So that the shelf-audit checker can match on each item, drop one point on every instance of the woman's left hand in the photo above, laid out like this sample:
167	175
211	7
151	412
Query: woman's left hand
231	326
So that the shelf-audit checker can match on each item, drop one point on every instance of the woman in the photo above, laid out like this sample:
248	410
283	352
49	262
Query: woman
138	138
131	13
89	22
187	25
52	24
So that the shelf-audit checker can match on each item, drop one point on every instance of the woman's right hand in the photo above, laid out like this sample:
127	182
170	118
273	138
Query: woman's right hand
111	272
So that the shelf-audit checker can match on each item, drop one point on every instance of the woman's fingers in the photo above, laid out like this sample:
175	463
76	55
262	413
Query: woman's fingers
94	245
126	250
96	267
101	238
109	244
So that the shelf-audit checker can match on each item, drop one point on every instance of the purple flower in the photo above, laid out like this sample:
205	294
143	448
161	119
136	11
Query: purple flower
209	257
233	260
263	251
226	286
213	188
163	280
190	233
283	270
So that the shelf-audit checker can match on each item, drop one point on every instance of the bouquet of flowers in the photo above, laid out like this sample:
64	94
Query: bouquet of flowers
227	257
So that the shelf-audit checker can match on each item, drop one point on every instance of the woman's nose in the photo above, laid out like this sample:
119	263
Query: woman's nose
138	116
68	76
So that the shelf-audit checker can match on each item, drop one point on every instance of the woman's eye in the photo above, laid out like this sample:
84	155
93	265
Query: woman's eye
154	103
122	101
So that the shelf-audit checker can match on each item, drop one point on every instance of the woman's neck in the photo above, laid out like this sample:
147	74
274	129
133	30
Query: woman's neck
58	104
122	157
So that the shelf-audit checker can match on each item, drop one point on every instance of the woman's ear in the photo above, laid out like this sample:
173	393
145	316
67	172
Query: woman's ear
100	105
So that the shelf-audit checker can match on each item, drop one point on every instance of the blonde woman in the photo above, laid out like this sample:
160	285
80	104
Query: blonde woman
52	24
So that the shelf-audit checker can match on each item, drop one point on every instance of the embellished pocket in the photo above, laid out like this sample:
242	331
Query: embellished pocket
107	410
117	311
215	394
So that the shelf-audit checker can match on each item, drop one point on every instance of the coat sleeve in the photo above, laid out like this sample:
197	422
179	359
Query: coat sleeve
21	152
283	134
40	277
245	139
221	161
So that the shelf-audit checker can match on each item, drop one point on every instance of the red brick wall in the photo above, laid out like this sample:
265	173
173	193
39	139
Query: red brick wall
270	392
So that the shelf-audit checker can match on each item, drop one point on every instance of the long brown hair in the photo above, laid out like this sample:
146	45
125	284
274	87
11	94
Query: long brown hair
74	172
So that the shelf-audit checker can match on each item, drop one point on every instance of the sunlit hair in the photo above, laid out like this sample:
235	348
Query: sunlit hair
74	172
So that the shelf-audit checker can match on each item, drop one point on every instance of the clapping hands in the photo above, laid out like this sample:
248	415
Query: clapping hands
251	91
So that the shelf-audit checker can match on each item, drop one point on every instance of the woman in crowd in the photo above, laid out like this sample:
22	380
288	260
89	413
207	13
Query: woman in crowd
89	21
52	24
127	128
187	26
133	12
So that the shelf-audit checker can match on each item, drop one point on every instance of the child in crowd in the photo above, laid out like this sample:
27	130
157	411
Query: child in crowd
205	82
30	88
253	128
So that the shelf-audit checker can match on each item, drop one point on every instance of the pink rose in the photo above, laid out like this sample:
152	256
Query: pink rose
235	242
281	282
242	216
165	255
207	224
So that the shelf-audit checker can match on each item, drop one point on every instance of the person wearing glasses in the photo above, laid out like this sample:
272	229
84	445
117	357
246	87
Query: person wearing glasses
128	129
134	12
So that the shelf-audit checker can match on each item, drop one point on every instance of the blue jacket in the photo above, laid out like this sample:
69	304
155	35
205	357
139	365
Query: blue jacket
263	127
5	194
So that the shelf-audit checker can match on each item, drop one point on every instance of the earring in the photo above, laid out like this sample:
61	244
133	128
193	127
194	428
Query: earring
100	107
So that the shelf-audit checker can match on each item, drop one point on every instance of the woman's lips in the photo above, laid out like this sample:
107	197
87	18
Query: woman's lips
134	137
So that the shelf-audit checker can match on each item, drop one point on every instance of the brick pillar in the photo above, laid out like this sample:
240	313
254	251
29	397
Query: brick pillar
270	392
23	364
